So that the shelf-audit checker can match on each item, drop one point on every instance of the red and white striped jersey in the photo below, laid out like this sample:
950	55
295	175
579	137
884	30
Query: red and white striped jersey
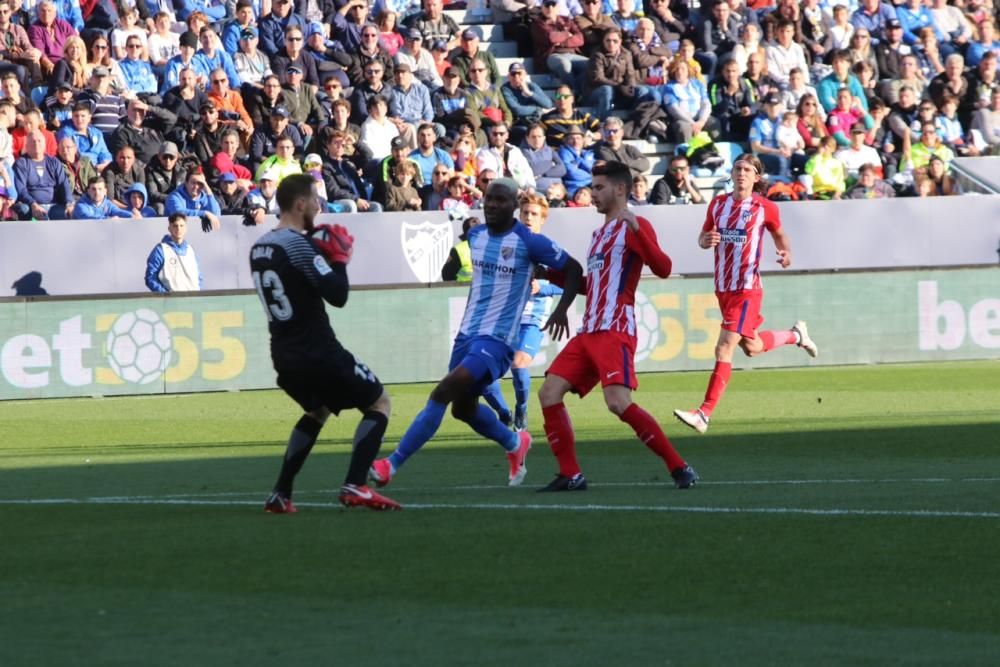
614	263
741	223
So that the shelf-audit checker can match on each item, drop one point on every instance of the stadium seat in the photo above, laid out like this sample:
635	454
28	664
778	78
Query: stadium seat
39	94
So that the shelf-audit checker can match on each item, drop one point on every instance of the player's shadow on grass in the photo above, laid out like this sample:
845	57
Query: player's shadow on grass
946	451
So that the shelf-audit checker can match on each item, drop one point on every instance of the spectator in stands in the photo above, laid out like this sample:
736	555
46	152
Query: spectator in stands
784	55
943	183
10	87
858	154
796	90
677	186
545	162
144	135
651	57
846	115
194	199
139	76
272	27
469	52
172	265
229	159
950	129
982	82
283	161
950	21
625	16
427	155
593	23
450	103
293	54
873	16
565	115
525	99
485	97
434	24
16	49
370	53
464	155
58	107
108	107
826	171
135	200
49	34
841	30
344	187
89	140
612	79
185	101
439	51
986	42
578	162
31	122
914	16
733	102
505	159
929	146
243	19
212	56
43	189
748	45
686	102
764	139
302	100
349	22
986	122
909	75
95	205
121	174
229	103
207	134
557	42
401	195
79	169
952	80
73	69
128	19
233	198
390	31
718	34
185	59
265	139
251	64
756	75
419	59
410	103
435	194
163	175
890	51
355	151
812	126
613	148
378	132
462	196
373	86
669	27
861	50
639	192
840	76
869	185
262	102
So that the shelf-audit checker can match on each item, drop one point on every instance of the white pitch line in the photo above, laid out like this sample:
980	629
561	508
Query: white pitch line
961	514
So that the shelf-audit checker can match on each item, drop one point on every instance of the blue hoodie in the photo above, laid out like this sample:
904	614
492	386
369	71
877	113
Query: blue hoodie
155	262
179	201
86	209
144	211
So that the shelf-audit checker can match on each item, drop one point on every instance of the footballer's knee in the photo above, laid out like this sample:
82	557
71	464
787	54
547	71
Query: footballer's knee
382	405
751	347
463	411
618	405
319	415
550	394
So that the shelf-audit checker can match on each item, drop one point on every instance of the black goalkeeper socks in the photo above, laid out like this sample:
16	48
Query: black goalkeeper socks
367	441
300	443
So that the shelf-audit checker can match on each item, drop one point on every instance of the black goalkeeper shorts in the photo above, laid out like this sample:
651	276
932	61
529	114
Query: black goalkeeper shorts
340	382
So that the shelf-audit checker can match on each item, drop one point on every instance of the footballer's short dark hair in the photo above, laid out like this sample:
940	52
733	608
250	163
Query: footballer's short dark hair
614	171
293	188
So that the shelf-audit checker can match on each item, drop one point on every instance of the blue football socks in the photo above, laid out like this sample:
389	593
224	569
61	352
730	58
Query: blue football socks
486	424
423	428
522	385
495	398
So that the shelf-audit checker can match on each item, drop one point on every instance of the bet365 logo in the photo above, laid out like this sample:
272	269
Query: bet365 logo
137	347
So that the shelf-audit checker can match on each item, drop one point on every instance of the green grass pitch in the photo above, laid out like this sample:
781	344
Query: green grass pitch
846	516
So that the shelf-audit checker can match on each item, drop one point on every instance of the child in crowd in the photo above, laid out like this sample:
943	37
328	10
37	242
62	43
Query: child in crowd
582	198
313	165
788	134
556	194
163	43
58	107
400	194
128	18
640	191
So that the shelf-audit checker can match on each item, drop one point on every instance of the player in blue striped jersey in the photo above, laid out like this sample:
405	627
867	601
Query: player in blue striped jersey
505	254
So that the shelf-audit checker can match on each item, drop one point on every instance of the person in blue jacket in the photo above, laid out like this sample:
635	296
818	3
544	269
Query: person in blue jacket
89	140
95	205
194	199
579	161
136	197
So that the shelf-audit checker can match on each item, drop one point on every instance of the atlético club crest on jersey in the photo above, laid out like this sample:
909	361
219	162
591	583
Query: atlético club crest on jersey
426	246
506	252
745	216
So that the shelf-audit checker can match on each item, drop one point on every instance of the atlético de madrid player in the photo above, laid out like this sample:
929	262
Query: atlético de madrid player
734	226
603	351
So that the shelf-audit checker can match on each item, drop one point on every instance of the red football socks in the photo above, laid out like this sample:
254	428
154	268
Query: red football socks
559	431
773	339
652	435
716	386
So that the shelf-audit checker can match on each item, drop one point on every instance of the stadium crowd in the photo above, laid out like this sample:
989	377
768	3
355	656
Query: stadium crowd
201	107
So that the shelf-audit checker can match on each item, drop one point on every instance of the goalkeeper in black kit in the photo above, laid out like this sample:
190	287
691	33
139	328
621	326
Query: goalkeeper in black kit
295	268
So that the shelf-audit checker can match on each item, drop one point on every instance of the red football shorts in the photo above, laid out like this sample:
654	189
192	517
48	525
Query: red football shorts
741	311
607	357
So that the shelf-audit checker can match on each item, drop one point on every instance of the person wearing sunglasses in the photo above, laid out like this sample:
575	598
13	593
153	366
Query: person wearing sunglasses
273	26
565	115
470	53
370	54
557	42
211	56
229	102
294	54
138	73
